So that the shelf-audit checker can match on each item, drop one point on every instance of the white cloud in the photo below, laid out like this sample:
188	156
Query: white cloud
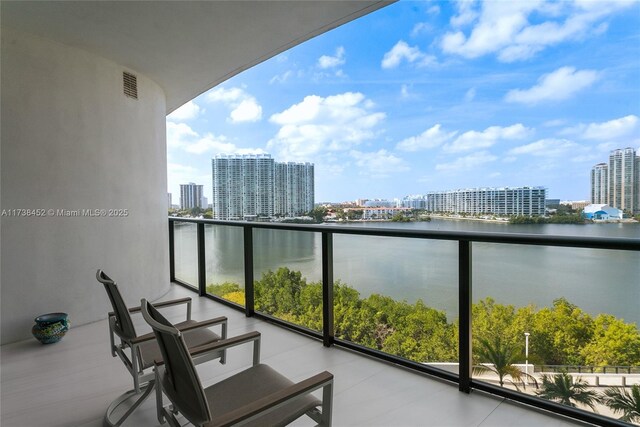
430	138
244	107
472	140
320	125
281	78
470	95
466	13
504	27
616	129
247	111
378	164
556	86
188	111
549	147
181	136
403	52
326	61
467	162
421	28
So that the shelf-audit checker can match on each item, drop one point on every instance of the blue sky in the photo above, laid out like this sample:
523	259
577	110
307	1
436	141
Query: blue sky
424	96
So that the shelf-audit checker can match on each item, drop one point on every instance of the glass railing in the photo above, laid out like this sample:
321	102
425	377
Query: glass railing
527	317
185	253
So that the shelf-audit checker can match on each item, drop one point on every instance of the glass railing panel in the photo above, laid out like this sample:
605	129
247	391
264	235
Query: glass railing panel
399	296
224	260
557	323
288	276
186	252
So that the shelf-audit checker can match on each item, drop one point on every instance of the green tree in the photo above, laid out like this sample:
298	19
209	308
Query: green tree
318	213
560	333
618	400
614	343
499	357
562	388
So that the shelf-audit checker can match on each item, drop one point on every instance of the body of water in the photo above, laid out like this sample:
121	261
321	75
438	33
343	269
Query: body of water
598	281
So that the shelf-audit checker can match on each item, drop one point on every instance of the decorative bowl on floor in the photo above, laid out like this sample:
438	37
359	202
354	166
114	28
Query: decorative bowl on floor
51	327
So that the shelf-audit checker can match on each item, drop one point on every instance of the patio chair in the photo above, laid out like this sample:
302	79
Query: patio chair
144	350
257	396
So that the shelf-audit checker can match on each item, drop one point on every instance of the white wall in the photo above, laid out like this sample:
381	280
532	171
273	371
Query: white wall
72	140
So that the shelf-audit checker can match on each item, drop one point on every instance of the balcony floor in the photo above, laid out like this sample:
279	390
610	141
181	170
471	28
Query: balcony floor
71	383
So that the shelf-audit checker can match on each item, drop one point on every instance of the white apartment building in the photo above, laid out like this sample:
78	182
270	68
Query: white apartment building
191	196
528	201
294	189
249	186
600	184
242	186
624	180
417	201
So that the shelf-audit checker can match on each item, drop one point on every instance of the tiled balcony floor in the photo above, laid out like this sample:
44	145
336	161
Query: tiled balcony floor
71	383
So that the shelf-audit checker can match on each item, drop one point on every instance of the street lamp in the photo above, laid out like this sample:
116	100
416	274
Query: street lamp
526	353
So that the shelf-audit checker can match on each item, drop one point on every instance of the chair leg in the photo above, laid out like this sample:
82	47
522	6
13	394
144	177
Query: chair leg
159	401
144	392
327	404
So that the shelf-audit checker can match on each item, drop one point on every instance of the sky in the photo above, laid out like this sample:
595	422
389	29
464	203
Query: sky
428	96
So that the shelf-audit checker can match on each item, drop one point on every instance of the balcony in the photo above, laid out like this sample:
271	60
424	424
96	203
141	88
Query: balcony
72	383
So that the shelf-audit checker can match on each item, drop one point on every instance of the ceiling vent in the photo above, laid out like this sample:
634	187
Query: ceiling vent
130	84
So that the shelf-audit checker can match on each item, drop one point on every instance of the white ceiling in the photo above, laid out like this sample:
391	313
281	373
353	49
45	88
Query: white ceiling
187	47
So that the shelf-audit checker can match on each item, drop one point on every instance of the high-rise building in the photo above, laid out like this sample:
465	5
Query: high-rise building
242	186
294	188
623	180
190	196
528	201
246	186
600	184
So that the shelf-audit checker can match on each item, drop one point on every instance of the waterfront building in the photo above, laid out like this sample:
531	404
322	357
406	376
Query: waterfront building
190	196
294	189
255	186
169	199
576	205
380	203
242	186
372	213
528	201
417	201
600	184
624	180
601	211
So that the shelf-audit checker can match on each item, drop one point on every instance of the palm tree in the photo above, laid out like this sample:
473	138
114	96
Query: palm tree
562	388
619	400
500	359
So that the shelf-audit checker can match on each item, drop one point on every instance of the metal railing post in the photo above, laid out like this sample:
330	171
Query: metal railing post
464	308
327	289
249	304
172	252
202	267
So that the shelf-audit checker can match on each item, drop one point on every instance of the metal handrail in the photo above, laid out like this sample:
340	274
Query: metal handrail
464	379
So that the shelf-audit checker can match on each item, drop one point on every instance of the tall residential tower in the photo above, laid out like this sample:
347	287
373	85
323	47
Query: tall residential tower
600	184
191	196
624	180
250	186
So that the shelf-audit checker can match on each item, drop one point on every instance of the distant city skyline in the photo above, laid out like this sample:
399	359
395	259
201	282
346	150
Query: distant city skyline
417	98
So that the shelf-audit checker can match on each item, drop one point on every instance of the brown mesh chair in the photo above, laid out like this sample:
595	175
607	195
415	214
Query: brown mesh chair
258	396
143	349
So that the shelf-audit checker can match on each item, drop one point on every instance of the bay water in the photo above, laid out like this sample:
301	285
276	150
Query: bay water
596	280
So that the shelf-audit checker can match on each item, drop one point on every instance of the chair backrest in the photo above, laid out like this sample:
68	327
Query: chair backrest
180	380
124	324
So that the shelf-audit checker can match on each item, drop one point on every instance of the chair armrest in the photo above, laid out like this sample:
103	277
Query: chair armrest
253	336
162	304
203	324
275	399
